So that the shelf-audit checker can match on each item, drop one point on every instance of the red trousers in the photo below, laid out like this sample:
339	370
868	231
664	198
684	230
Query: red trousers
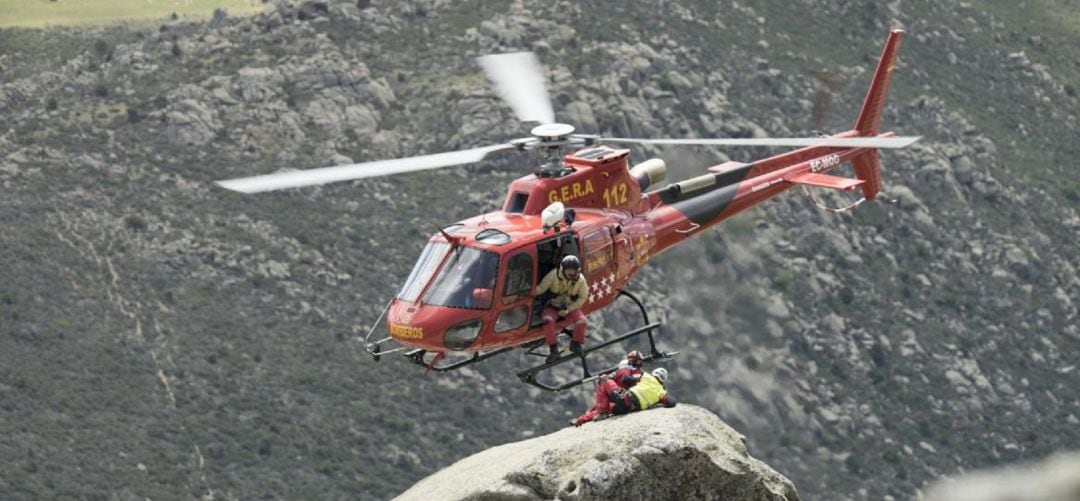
606	390
551	318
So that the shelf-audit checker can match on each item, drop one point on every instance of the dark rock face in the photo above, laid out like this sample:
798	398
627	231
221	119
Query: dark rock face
684	452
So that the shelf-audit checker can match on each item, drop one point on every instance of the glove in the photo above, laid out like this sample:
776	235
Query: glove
563	313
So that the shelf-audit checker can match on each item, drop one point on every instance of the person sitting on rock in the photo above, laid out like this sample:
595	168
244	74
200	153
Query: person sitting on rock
612	399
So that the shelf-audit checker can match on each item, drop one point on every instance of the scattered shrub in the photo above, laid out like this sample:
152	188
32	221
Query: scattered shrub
135	223
101	48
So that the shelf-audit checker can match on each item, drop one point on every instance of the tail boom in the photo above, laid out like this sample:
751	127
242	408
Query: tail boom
684	209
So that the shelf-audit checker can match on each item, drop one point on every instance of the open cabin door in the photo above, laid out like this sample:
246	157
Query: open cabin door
549	254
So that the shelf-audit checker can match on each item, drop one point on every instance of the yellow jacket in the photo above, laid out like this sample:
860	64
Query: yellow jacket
649	391
569	295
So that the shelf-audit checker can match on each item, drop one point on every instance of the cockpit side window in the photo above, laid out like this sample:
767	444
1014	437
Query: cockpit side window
467	280
423	270
519	278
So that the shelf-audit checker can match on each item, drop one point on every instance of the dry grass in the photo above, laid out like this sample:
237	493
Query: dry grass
43	13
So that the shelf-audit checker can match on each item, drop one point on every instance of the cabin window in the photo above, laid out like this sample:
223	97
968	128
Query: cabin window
493	237
512	319
467	280
517	202
423	270
519	274
453	229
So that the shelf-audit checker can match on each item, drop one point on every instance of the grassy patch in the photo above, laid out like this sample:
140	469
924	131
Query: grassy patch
39	13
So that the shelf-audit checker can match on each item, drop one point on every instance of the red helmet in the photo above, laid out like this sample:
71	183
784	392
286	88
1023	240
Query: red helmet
635	358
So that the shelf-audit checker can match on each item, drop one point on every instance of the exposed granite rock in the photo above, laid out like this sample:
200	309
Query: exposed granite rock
1054	479
681	453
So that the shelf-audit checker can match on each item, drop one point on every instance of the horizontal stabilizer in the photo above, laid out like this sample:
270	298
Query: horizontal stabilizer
826	181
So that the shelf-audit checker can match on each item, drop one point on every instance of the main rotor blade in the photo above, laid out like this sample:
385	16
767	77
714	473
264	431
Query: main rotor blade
520	82
841	142
311	177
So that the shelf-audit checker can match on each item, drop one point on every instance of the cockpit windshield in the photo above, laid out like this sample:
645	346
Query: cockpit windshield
467	280
424	269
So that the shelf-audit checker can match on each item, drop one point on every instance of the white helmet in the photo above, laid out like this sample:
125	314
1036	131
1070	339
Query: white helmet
660	373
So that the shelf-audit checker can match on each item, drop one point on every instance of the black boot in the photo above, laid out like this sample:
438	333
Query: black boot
575	347
553	353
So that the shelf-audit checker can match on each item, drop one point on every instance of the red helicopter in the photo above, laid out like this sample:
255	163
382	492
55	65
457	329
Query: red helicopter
471	292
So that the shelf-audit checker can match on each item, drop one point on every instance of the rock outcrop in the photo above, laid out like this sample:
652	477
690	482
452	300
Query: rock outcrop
681	453
1054	479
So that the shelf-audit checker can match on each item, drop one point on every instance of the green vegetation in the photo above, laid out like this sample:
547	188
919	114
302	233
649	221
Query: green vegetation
784	280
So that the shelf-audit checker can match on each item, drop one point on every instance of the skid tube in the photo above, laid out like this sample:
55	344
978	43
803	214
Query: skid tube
416	356
528	376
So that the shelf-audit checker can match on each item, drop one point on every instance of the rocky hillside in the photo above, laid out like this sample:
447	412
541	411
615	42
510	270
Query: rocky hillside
160	337
684	452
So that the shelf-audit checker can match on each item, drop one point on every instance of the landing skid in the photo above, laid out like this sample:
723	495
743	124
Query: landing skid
530	376
417	357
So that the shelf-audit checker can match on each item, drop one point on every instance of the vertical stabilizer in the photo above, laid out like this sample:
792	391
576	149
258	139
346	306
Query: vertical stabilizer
870	115
867	166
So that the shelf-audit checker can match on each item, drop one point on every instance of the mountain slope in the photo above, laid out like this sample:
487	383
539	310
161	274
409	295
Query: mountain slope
162	337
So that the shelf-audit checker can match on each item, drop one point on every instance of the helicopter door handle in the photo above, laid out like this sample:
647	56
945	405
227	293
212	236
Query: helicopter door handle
693	226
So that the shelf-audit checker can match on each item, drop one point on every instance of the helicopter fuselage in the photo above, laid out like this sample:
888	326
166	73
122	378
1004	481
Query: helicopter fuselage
473	287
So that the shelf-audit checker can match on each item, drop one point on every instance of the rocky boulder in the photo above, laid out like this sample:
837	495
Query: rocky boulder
684	452
1054	479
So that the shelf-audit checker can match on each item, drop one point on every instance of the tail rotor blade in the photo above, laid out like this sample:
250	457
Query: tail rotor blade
840	142
520	82
311	177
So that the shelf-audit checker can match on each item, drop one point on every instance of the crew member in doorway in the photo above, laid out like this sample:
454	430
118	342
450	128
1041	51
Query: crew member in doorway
567	284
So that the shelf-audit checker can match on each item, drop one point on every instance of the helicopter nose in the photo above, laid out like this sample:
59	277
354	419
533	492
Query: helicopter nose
401	322
434	328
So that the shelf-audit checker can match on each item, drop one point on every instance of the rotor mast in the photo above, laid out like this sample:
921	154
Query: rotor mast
550	139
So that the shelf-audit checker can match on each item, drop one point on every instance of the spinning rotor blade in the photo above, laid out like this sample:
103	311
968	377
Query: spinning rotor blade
841	142
311	177
520	81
